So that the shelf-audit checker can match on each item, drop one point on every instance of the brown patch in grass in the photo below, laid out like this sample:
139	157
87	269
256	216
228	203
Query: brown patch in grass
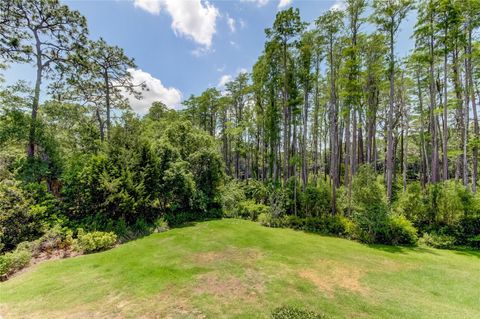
230	254
229	287
330	275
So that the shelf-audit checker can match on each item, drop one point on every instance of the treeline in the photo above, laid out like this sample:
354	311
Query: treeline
327	100
327	97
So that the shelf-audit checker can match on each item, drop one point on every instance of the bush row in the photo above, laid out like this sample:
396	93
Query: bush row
55	240
446	215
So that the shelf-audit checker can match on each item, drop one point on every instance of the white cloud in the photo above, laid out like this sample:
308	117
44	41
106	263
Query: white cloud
156	91
259	3
201	51
194	19
339	5
231	23
151	6
242	70
224	79
284	3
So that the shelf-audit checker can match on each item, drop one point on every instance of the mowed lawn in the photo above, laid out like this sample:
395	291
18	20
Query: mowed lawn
239	269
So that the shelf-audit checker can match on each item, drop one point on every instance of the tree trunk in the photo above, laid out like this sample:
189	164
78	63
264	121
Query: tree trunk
445	113
304	140
390	163
433	117
475	115
36	98
107	101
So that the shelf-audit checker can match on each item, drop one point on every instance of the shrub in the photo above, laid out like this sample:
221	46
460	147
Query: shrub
14	261
369	207
438	241
270	220
95	241
160	225
18	222
277	201
335	225
53	239
315	200
231	195
250	210
255	190
411	204
474	242
469	230
295	313
401	231
450	205
349	227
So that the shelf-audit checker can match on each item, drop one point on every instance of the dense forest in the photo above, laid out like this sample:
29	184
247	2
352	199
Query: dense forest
330	132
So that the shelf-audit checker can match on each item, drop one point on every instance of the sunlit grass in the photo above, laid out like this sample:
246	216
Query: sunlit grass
235	268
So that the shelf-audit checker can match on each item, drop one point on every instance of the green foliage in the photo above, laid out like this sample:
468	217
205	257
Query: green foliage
369	207
287	312
271	220
139	180
255	190
55	238
469	231
231	195
449	204
438	241
316	199
95	241
160	225
277	201
207	169
474	242
412	204
334	225
249	209
401	231
18	216
14	261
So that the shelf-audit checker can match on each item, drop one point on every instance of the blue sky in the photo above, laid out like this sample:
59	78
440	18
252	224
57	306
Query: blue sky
181	47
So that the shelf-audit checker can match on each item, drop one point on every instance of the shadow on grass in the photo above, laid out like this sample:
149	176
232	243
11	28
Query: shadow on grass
192	223
467	252
402	249
185	225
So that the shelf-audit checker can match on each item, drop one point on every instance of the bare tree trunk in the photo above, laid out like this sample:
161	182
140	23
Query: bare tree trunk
475	115
286	117
390	155
107	103
445	114
36	98
433	117
466	115
354	154
348	148
304	141
405	146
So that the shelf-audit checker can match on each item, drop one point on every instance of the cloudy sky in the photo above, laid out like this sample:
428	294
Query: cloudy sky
182	47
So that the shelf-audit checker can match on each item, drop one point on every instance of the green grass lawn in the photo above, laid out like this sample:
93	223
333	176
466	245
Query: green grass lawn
239	269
